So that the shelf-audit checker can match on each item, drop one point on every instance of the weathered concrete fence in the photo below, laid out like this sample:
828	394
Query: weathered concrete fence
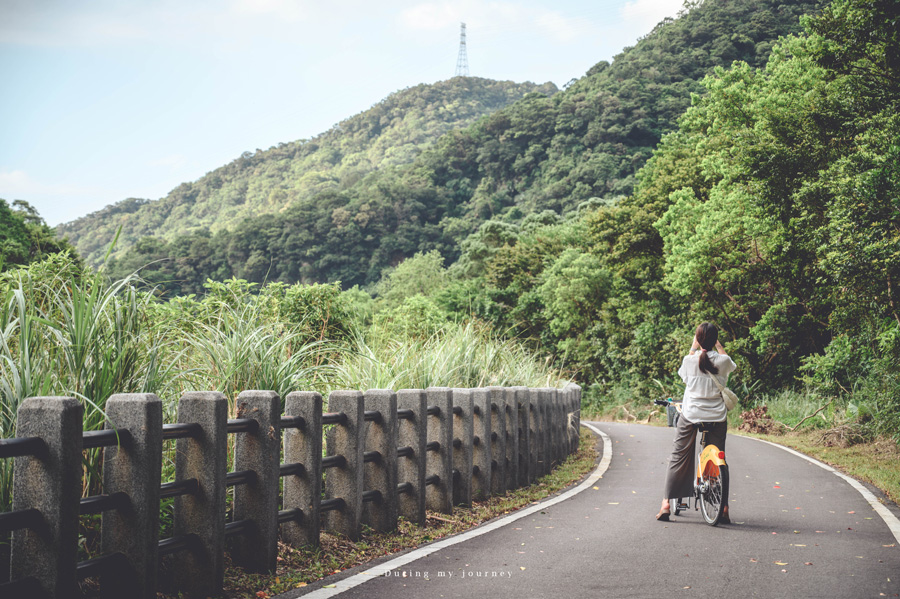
387	454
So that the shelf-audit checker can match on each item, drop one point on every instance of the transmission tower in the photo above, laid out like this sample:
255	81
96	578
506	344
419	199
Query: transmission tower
462	61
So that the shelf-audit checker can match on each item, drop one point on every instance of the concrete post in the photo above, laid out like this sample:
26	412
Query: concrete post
464	431
512	438
534	432
498	440
346	482
200	572
412	469
554	428
439	428
50	483
304	446
481	456
133	467
577	416
546	430
523	402
259	451
381	475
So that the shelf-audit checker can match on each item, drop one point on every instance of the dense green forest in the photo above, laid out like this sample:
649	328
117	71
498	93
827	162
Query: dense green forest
769	205
576	148
24	236
772	210
391	133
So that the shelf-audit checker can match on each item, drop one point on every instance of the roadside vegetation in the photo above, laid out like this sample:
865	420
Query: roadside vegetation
740	164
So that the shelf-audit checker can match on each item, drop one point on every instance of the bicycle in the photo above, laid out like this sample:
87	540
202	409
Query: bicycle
711	486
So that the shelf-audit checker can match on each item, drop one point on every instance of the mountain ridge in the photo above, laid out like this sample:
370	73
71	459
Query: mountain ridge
391	132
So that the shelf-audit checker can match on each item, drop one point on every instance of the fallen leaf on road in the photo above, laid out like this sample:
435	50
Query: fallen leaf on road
754	560
686	587
613	503
851	512
300	585
796	532
777	486
799	545
783	570
521	567
596	488
891	545
820	531
330	586
807	564
781	563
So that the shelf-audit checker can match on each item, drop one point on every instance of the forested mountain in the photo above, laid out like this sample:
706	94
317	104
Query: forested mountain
543	152
393	132
25	237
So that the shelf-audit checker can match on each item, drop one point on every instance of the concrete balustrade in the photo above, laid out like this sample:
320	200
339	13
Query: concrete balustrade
386	455
200	570
463	450
133	468
411	468
380	477
257	501
481	468
303	489
439	459
49	482
344	482
498	440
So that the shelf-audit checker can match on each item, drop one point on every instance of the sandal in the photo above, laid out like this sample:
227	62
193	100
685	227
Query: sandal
663	516
724	519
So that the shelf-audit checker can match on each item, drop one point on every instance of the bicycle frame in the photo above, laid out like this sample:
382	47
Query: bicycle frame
709	461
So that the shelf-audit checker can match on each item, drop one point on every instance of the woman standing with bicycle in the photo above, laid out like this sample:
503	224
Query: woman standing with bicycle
702	403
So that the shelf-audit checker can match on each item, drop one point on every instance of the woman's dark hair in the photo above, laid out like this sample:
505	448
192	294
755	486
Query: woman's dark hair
707	334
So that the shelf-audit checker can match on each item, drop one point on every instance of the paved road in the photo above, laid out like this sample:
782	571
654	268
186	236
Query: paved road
799	531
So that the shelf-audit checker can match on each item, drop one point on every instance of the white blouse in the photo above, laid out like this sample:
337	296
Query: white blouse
702	399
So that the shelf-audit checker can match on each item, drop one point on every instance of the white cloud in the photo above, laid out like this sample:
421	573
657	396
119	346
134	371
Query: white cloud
16	184
494	17
647	13
112	23
173	162
290	10
562	29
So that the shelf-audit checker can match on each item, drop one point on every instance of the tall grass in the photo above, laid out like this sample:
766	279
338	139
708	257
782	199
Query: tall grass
240	349
466	355
71	334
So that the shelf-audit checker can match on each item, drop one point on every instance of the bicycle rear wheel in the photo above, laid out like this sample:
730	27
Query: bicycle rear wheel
712	501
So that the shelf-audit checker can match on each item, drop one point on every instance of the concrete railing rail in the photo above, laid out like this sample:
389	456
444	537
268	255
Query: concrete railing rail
387	454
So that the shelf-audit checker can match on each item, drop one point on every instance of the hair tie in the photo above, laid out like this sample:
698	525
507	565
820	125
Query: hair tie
702	351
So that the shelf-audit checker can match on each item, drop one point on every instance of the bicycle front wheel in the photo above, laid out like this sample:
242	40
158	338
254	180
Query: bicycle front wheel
712	501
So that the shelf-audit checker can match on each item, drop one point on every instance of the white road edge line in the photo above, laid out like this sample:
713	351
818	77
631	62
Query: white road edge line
893	523
382	569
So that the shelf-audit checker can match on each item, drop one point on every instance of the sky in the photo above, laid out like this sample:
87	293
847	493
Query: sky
106	100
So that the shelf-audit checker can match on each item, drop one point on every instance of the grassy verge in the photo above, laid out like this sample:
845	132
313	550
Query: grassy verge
299	567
